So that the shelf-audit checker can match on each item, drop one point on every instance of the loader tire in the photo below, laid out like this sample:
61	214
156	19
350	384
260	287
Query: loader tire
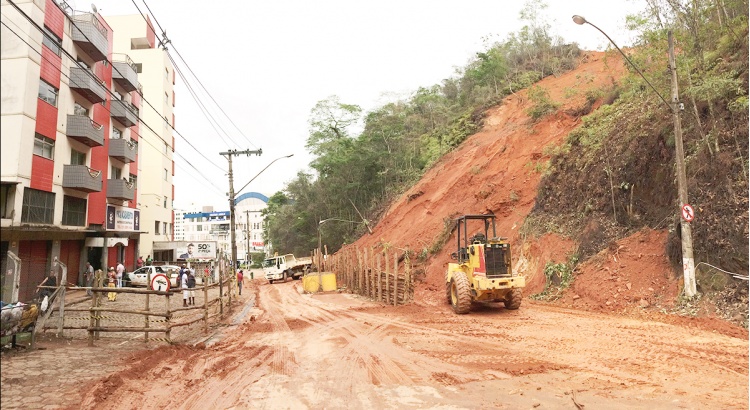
448	292
513	300
460	293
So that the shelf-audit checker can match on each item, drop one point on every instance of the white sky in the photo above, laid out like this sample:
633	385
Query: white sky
267	63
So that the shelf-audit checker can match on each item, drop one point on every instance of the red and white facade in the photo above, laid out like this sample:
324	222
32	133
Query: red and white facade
70	131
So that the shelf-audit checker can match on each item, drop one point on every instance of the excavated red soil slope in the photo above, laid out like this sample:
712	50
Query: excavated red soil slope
498	169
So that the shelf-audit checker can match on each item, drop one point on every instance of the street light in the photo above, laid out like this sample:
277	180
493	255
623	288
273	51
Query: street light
688	262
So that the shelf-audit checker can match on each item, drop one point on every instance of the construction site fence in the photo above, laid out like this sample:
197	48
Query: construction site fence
379	275
158	316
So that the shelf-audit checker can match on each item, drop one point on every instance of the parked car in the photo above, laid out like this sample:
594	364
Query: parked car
139	277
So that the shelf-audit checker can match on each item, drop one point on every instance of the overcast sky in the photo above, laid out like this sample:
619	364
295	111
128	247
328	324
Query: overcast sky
267	63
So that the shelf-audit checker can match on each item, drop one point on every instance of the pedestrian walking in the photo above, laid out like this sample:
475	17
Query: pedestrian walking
139	262
240	276
149	261
120	272
89	277
111	278
185	290
191	285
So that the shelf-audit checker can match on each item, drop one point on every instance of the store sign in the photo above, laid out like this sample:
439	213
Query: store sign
257	244
120	218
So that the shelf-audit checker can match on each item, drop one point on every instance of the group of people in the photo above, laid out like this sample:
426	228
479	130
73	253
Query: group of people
186	279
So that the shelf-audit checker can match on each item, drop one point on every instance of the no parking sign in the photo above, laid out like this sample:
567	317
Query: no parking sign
160	282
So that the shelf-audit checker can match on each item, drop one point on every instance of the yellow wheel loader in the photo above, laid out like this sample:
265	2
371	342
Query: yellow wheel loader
483	270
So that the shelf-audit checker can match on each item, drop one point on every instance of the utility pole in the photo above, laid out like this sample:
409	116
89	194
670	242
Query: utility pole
228	155
688	262
247	237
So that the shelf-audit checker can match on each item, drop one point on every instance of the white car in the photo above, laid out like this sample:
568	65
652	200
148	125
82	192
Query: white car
139	277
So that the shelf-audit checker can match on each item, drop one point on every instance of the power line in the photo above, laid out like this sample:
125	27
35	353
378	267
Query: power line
196	77
107	110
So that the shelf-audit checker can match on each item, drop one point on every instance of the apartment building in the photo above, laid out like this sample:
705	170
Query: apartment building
134	36
70	145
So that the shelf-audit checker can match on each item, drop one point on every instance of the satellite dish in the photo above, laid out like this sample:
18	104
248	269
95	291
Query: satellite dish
93	7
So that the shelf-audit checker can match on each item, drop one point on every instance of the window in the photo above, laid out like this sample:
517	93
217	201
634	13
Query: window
116	94
7	192
116	134
38	206
165	201
199	228
51	40
138	68
134	180
166	148
164	225
74	211
43	146
166	73
78	109
77	158
83	64
156	227
116	173
166	98
166	174
47	93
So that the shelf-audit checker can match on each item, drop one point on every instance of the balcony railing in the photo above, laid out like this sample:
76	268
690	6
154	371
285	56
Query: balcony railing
82	178
81	128
87	85
124	72
124	112
122	149
89	34
120	189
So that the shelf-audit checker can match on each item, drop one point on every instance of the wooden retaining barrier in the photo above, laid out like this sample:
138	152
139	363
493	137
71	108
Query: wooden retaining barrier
374	274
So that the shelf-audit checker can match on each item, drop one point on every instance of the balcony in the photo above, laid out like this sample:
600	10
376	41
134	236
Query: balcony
122	149
89	34
123	112
81	128
124	73
120	189
82	178
87	85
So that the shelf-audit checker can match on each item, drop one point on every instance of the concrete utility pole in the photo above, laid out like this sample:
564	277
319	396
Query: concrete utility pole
688	262
247	237
228	155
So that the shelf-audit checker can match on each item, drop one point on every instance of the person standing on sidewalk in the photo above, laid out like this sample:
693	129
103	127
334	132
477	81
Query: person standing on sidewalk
111	278
89	277
191	285
139	262
185	290
120	272
240	276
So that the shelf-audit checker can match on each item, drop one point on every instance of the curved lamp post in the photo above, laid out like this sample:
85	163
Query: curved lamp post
688	262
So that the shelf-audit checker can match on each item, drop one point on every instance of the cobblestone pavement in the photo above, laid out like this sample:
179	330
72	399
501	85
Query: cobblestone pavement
43	377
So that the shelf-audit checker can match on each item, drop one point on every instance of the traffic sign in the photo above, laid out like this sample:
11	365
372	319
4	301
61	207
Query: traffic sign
160	282
687	212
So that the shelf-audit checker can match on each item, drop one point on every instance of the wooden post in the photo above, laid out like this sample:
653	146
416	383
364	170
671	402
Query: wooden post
205	305
395	279
169	319
92	312
146	321
387	280
407	276
380	283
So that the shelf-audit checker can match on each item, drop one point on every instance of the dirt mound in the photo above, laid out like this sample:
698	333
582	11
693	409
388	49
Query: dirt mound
495	170
499	170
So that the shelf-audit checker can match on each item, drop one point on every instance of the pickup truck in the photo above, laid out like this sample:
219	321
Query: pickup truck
285	266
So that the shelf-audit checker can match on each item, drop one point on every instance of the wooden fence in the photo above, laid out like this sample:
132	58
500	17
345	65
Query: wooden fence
378	275
163	319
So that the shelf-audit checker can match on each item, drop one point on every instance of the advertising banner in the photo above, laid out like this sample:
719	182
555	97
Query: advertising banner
120	218
196	250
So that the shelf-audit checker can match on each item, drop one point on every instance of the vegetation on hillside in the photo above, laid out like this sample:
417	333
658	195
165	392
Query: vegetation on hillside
361	172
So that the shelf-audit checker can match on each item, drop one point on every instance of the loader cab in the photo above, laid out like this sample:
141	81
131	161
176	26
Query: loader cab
483	227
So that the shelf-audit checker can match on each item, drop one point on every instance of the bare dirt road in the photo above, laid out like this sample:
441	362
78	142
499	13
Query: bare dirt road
337	351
